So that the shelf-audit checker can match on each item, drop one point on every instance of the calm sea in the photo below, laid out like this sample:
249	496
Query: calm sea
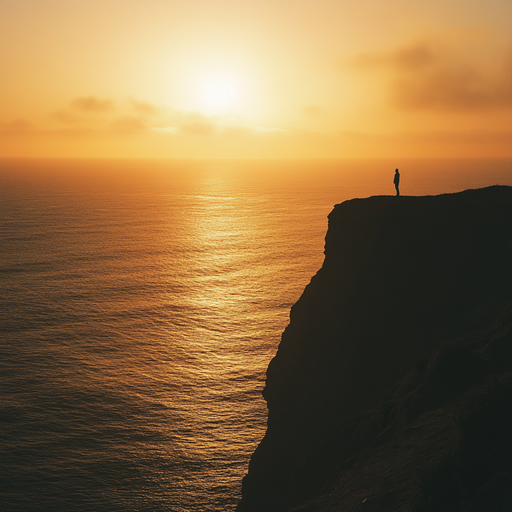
141	302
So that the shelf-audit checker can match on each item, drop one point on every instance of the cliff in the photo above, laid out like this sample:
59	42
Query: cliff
392	385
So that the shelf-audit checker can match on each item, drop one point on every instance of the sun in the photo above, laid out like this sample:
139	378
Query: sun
219	93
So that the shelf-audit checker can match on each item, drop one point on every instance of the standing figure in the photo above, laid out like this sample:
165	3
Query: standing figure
396	181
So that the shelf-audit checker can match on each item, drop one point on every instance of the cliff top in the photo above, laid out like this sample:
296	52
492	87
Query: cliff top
403	279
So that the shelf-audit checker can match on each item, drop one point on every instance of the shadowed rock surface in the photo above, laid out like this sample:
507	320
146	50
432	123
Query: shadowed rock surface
392	385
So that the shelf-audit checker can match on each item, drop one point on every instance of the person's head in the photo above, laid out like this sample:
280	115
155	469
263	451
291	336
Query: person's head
396	170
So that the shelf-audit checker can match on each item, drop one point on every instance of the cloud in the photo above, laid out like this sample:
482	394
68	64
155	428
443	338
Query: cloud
411	57
132	116
143	107
17	126
198	125
65	117
92	104
428	75
78	110
126	117
128	124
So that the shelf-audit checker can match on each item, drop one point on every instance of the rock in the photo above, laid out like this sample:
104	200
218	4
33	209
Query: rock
386	341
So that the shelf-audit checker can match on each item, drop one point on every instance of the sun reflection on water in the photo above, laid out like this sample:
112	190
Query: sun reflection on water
226	303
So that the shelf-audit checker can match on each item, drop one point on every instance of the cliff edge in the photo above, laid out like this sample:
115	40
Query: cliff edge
392	383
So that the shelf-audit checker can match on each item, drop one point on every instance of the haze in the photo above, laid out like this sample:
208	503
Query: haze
244	78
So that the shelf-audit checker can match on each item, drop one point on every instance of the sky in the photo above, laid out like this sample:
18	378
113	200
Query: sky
255	79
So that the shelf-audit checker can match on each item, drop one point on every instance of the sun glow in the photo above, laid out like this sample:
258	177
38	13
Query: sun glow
219	93
265	79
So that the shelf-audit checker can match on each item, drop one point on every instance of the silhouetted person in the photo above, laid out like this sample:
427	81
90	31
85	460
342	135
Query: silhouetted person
396	181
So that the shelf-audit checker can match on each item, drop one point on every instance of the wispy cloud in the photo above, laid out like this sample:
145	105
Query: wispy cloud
429	75
92	104
144	107
17	126
127	124
65	117
411	57
95	116
198	127
102	114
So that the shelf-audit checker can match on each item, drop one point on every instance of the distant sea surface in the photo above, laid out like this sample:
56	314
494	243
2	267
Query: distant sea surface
141	302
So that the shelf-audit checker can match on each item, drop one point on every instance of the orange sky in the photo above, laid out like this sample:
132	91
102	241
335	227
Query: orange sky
247	78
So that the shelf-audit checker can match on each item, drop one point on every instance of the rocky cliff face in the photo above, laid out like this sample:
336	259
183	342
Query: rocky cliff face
412	289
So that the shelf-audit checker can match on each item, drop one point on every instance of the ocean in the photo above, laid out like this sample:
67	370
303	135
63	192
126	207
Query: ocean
140	304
